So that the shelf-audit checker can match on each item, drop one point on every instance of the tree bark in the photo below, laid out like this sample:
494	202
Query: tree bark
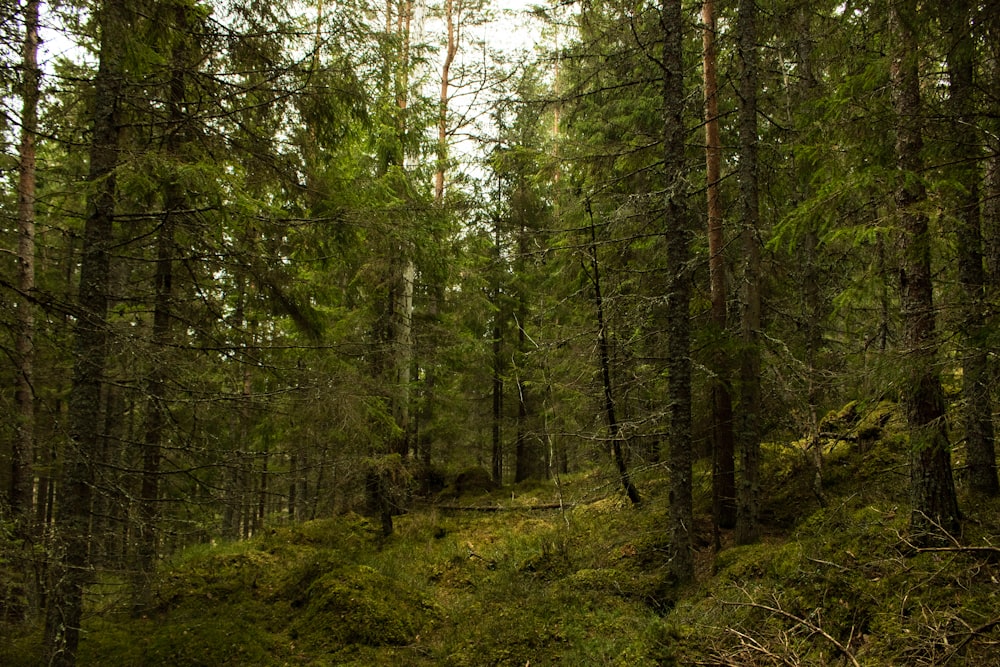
496	455
934	506
977	405
604	350
530	456
22	477
70	572
748	505
723	448
451	50
678	232
156	396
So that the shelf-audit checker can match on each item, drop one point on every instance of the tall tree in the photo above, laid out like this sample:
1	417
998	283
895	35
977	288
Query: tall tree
497	365
991	175
977	412
723	448
174	203
934	505
604	355
70	572
678	232
22	461
748	506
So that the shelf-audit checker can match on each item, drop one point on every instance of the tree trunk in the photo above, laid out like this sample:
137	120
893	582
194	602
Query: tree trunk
978	406
604	351
451	50
70	572
401	351
678	232
748	506
22	479
723	449
530	455
934	506
496	458
156	398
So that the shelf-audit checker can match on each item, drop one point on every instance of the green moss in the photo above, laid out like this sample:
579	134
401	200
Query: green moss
226	637
588	586
356	605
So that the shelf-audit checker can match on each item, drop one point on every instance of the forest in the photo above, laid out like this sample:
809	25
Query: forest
400	329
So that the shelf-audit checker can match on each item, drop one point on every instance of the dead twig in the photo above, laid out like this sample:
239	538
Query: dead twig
805	622
969	636
501	508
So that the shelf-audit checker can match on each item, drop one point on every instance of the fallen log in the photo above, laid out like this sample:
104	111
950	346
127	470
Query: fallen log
502	508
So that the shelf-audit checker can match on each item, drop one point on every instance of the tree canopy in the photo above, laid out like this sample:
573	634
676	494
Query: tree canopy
265	263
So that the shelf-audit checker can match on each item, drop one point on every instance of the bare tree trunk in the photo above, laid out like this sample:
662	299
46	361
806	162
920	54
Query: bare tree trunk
934	506
70	572
451	50
604	351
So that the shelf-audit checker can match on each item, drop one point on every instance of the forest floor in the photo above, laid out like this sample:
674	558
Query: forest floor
835	582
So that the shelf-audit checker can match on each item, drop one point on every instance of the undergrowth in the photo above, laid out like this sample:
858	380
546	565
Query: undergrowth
834	581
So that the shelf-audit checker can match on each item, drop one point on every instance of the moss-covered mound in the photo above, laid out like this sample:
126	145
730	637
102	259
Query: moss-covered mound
294	597
572	574
847	588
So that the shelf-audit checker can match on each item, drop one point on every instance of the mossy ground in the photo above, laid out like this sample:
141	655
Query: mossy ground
829	584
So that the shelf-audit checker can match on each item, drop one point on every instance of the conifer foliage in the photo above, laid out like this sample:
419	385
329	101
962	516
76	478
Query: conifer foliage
265	263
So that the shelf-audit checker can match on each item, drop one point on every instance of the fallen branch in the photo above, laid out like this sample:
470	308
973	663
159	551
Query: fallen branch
994	551
812	626
501	508
969	636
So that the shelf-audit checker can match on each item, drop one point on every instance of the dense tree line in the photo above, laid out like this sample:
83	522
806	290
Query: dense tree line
266	263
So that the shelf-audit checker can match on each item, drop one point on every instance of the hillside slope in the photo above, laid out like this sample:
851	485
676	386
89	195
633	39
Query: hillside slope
831	584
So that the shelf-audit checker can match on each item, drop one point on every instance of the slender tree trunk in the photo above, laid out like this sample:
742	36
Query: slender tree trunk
262	489
991	181
397	336
496	456
604	351
70	572
293	484
401	351
934	506
22	479
991	171
748	505
812	302
401	317
156	397
423	441
530	454
978	406
991	184
678	228
723	448
451	50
